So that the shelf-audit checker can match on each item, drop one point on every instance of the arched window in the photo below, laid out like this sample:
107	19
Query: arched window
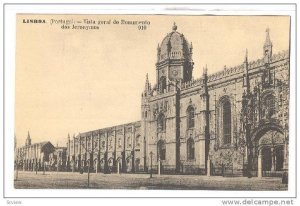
119	142
137	140
227	122
128	142
191	117
161	123
162	84
269	106
190	149
161	150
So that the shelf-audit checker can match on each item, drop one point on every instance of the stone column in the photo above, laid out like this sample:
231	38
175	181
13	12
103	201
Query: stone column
259	164
159	166
208	167
99	154
273	159
118	166
97	166
285	156
73	156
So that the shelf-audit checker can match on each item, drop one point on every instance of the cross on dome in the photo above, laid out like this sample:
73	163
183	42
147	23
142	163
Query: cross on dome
174	28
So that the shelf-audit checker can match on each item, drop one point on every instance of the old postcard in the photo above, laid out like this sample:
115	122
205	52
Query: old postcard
122	103
140	102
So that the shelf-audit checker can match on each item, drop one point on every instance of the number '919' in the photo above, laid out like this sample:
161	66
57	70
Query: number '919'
142	27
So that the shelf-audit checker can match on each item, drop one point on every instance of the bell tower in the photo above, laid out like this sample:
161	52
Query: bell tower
174	60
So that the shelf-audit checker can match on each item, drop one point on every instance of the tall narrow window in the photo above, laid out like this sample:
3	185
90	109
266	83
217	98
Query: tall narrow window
161	123
119	142
227	122
137	140
162	84
190	149
191	117
161	150
269	106
128	142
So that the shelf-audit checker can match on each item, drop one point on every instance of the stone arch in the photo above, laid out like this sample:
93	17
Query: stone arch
269	148
110	161
119	164
137	164
129	163
138	140
259	132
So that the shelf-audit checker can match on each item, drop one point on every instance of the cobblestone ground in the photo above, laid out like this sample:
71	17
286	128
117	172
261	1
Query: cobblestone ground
68	180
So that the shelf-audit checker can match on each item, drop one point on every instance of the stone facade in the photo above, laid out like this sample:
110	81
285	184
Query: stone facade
234	119
119	148
33	157
58	159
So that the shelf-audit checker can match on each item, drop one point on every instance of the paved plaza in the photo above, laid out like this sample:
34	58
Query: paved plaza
69	180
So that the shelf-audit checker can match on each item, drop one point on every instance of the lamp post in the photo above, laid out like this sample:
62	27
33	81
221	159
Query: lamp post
151	153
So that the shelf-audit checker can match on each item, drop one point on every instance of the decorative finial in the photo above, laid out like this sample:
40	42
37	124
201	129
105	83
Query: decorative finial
174	27
28	135
246	56
205	70
268	40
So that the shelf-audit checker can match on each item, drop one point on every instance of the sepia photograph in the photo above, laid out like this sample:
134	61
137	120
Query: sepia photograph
152	102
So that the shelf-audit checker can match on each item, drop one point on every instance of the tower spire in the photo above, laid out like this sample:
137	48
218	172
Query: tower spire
246	82
246	56
28	140
205	70
147	85
268	40
267	47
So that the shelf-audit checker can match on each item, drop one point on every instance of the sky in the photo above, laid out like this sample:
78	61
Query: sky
71	81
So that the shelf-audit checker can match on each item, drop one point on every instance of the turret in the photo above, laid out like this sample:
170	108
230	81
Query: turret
267	47
147	89
28	140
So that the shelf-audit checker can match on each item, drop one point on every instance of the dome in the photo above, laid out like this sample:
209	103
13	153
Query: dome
174	46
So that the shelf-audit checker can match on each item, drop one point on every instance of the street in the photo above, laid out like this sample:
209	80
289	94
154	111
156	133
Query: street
69	180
